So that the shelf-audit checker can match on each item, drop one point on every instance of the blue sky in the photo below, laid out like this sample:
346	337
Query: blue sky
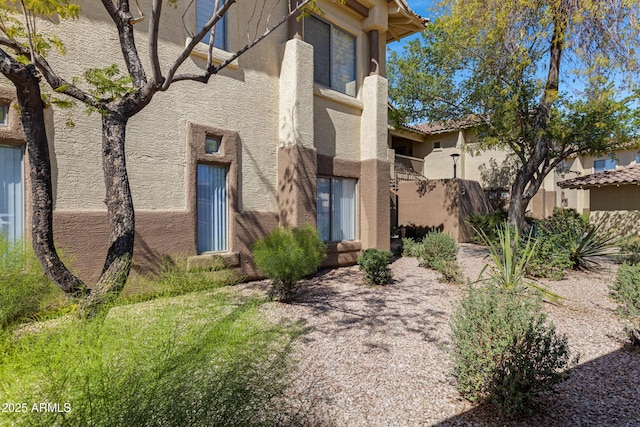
422	8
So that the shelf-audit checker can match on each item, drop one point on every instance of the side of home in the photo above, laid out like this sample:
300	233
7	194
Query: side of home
293	132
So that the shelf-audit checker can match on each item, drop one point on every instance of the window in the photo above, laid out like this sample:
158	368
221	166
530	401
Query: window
437	145
336	209
204	12
212	145
334	55
11	197
4	114
604	165
212	208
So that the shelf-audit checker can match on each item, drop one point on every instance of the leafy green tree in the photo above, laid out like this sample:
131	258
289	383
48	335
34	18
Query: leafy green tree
545	79
117	96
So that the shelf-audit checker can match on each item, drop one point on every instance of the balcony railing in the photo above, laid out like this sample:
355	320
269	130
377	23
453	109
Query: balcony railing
411	163
404	168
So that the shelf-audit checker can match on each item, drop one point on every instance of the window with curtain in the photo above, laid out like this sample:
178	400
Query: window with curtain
604	165
11	193
336	209
204	12
212	208
334	55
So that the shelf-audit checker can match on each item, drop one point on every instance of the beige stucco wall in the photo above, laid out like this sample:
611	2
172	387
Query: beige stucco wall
156	155
472	164
584	165
336	124
156	137
442	204
618	208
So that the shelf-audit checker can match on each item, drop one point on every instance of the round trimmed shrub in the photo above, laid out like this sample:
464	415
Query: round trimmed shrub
375	263
437	247
286	255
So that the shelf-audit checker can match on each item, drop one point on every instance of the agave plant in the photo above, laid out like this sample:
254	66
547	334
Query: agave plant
510	258
592	244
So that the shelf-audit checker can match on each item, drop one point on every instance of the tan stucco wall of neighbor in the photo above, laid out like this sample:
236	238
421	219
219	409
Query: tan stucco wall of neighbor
618	208
276	124
442	204
542	204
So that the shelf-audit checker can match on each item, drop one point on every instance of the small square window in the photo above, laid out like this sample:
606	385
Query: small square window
212	145
437	145
4	114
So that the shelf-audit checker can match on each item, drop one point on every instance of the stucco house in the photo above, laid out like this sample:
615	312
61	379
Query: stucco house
614	198
292	132
428	149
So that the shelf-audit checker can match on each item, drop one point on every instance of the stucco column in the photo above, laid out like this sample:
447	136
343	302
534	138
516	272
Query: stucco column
373	130
375	194
297	163
296	95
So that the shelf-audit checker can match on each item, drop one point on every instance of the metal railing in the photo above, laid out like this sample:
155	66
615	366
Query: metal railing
405	168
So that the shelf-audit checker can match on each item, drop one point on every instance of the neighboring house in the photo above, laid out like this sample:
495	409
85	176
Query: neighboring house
584	165
293	132
614	198
428	149
438	148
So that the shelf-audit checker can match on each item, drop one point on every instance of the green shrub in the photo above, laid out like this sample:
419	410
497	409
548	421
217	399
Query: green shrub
206	359
557	239
504	351
410	248
450	270
375	263
437	247
630	250
488	224
286	255
551	260
438	251
592	244
626	291
24	288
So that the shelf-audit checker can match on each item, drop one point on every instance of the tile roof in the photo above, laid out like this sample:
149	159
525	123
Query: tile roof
626	175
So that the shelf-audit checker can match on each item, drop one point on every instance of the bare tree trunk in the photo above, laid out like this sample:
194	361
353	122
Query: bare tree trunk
25	78
527	183
120	211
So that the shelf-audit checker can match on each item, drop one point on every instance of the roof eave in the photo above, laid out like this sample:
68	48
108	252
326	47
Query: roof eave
403	21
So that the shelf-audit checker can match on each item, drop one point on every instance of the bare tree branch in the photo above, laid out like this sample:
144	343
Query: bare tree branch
216	69
204	78
56	82
194	42
28	25
212	36
154	24
123	19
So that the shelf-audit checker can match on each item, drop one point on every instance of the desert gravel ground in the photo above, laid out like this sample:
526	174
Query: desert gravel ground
378	356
